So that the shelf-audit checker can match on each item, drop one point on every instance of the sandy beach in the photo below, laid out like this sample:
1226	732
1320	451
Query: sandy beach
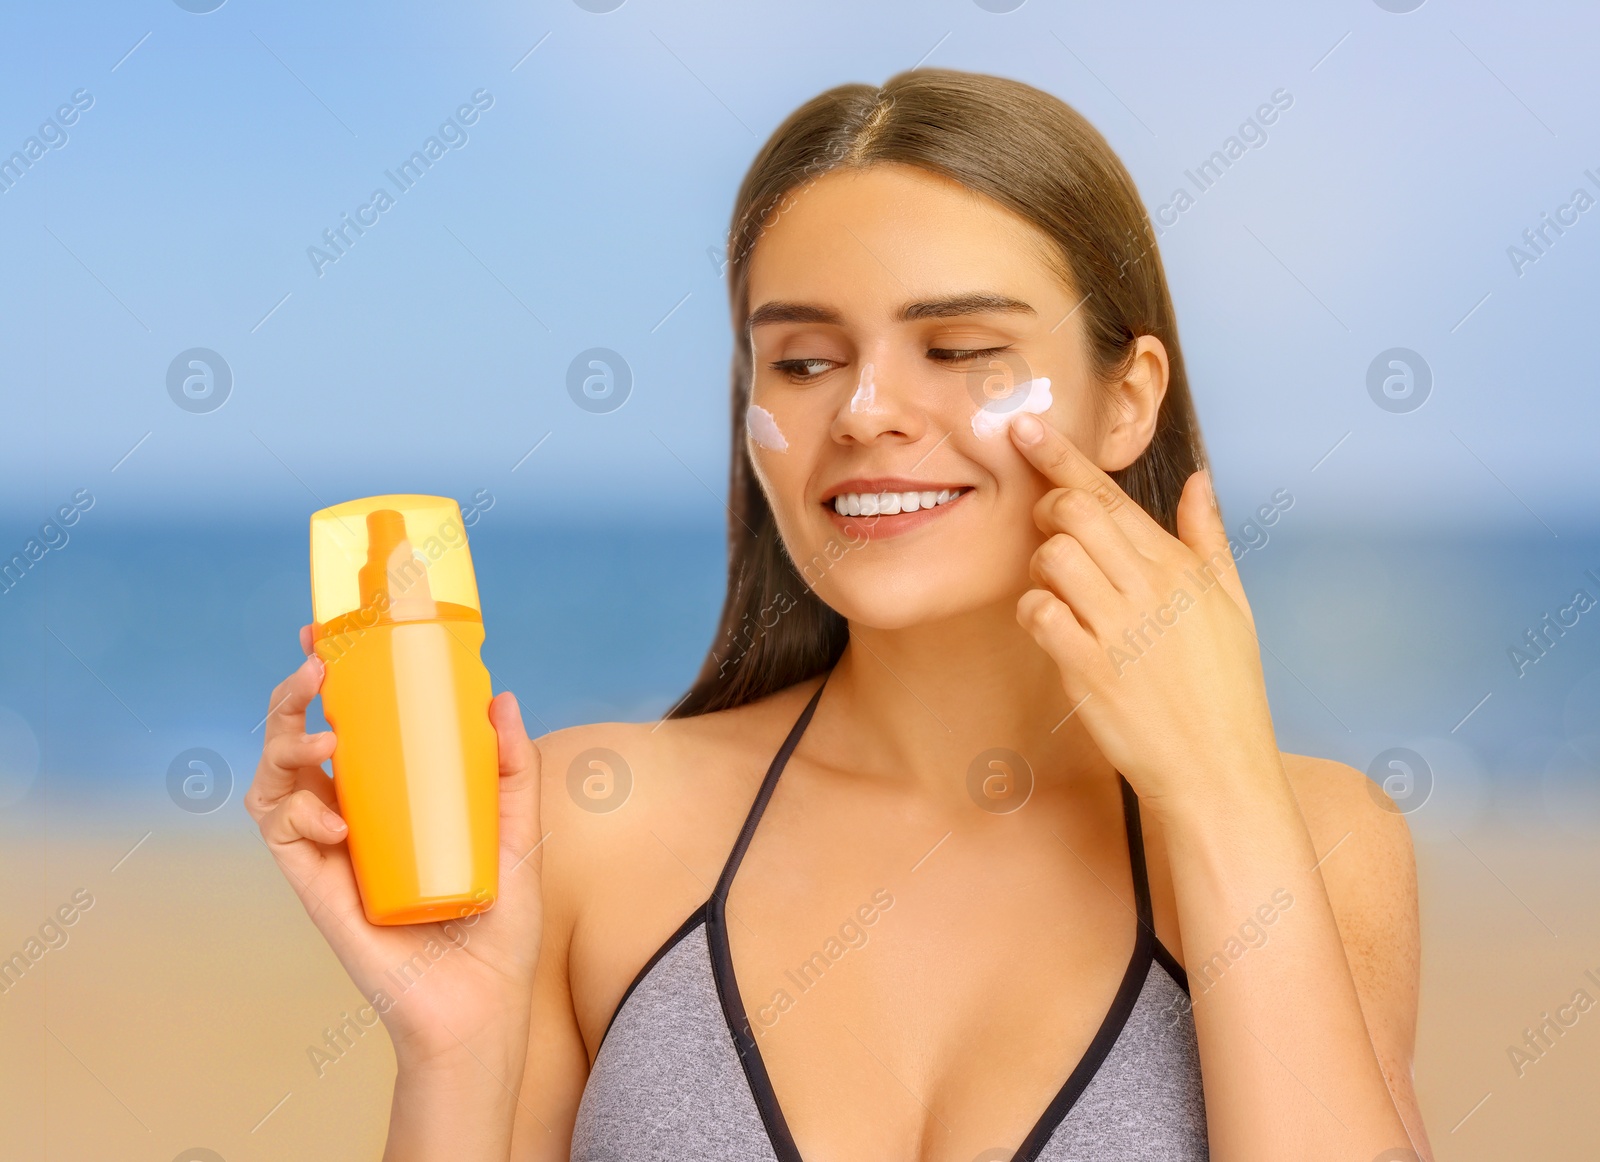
182	1009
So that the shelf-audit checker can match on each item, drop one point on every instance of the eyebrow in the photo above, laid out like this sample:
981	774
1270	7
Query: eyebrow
972	303
951	306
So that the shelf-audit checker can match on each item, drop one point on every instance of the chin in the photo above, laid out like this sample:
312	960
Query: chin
889	599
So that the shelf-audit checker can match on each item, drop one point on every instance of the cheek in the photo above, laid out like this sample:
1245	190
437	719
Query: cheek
1008	489
1078	413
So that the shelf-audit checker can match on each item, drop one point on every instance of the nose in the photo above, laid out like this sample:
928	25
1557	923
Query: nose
880	404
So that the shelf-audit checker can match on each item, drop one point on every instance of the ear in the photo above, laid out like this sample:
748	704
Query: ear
1134	405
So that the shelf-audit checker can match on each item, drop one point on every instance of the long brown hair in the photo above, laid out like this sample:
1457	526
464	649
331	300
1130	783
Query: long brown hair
1035	155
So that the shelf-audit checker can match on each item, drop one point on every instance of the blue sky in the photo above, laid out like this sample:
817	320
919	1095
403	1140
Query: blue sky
584	207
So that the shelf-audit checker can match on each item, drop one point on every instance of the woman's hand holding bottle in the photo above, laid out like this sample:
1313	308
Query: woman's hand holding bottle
455	994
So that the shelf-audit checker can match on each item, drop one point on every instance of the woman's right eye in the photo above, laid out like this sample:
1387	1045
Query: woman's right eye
801	370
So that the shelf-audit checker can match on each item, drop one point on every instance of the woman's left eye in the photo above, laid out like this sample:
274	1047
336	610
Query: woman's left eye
963	355
802	369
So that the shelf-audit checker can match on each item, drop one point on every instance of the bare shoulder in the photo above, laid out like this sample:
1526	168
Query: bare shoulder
1348	814
643	770
590	770
635	812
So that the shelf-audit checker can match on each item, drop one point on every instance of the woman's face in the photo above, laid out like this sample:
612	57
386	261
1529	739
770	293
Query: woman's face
898	322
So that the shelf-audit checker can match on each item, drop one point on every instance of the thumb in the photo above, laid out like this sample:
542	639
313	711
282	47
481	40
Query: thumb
520	831
1200	528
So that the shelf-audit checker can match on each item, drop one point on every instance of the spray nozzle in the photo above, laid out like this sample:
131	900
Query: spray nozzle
393	577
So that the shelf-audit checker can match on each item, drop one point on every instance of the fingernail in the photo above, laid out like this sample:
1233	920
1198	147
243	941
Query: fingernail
1029	428
333	821
1210	492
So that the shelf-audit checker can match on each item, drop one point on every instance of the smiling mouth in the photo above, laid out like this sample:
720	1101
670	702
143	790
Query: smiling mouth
892	503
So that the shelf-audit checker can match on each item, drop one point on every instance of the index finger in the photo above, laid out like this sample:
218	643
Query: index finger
287	709
520	831
1061	462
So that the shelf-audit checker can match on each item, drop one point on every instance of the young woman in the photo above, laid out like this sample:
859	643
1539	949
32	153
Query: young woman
972	840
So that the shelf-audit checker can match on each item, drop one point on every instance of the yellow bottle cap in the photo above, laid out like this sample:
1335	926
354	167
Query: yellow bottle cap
390	558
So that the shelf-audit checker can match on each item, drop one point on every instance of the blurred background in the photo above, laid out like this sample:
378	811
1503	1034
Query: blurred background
1386	296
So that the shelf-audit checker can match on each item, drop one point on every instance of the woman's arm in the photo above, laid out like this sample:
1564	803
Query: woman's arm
557	1065
1369	870
1157	652
1303	976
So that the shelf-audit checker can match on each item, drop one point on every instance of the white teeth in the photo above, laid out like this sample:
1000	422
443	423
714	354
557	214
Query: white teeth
891	503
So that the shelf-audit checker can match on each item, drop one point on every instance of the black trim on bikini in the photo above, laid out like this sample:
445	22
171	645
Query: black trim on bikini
694	920
733	1011
1141	887
1175	970
1116	1017
702	911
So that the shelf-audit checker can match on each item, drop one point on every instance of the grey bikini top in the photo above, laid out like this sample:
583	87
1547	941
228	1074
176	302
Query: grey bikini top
679	1077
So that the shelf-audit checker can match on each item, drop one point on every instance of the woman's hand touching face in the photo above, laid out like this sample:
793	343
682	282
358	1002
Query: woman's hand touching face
899	322
1151	632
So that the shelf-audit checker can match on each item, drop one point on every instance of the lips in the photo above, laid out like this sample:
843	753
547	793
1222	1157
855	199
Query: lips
892	503
880	484
887	506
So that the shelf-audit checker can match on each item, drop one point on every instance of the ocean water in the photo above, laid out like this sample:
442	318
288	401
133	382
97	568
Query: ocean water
128	646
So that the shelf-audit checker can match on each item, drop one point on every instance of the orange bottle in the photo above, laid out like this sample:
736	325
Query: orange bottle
398	627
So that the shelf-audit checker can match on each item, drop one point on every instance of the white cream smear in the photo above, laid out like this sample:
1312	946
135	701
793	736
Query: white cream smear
763	429
995	416
866	397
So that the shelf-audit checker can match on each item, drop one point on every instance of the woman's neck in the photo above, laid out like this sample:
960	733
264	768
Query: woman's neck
920	704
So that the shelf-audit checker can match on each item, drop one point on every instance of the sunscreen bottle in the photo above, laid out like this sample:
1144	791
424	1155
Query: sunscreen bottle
398	627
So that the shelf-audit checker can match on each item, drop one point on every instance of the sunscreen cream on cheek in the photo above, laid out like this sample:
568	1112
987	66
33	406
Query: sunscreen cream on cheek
762	428
994	417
